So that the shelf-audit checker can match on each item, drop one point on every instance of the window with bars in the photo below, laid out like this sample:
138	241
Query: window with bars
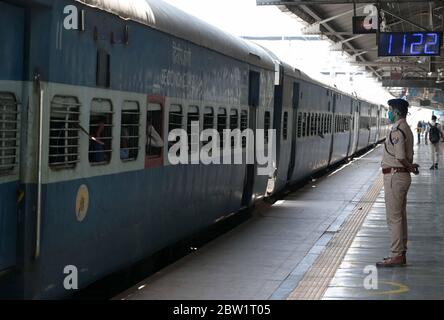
313	125
64	132
267	125
100	129
154	131
9	135
285	126
129	131
175	117
299	125
304	124
208	118
234	123
244	125
221	124
193	116
329	120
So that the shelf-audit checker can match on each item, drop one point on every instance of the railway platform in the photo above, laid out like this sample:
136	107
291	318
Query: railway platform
319	242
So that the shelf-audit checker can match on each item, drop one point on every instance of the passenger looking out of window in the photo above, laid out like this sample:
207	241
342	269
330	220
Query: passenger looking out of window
154	141
97	145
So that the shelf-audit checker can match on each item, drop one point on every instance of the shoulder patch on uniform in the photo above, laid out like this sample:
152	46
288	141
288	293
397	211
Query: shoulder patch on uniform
395	140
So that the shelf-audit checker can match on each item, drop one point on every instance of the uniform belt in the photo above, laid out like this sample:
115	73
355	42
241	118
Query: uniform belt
393	170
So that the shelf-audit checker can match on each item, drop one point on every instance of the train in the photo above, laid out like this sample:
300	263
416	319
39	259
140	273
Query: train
82	82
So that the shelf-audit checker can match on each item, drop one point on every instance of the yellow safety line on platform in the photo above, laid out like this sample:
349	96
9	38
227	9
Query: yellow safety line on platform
402	288
316	280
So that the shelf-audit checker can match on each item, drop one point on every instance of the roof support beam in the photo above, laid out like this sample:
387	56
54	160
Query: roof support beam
412	83
330	29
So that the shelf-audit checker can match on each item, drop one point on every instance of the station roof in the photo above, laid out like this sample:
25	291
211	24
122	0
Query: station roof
422	76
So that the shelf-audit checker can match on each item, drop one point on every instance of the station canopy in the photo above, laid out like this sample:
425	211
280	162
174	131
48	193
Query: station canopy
398	42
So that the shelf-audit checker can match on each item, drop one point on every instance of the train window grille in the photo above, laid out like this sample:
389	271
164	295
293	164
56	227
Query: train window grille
325	124
234	123
64	132
208	118
318	123
221	124
9	135
174	121
304	124
244	126
267	123
285	126
299	125
330	119
308	124
129	131
192	116
154	122
100	129
208	121
313	125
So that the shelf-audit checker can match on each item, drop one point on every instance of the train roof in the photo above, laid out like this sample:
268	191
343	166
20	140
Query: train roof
166	18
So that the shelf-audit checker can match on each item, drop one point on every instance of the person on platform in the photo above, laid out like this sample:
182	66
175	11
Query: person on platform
419	131
434	134
397	165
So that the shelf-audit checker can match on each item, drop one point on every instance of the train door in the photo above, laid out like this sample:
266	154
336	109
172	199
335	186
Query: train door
335	96
355	115
351	131
12	21
296	94
253	104
378	123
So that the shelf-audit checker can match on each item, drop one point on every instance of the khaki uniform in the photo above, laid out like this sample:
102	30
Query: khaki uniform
396	185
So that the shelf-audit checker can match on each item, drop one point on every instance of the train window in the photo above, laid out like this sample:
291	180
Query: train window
325	124
64	132
174	121
8	133
208	118
100	129
285	126
234	119
193	116
129	131
308	124
244	125
154	132
299	125
103	77
267	123
330	119
304	124
234	123
221	124
313	125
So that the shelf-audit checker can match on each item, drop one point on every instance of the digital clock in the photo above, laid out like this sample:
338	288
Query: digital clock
409	44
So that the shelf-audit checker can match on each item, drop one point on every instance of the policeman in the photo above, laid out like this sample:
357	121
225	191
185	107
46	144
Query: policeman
397	164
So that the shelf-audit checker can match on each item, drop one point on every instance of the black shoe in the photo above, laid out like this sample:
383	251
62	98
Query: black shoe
433	167
436	166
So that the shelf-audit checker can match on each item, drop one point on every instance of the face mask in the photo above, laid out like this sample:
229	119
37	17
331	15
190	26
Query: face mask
391	116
